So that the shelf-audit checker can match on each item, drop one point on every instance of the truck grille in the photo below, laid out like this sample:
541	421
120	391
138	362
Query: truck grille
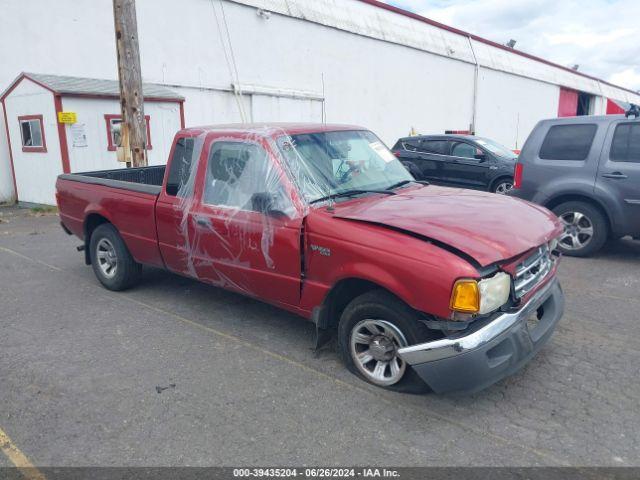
532	270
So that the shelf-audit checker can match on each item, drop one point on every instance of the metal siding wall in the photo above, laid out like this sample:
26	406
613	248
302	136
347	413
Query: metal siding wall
164	123
510	106
391	74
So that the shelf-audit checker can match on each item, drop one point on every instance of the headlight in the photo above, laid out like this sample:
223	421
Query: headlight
471	296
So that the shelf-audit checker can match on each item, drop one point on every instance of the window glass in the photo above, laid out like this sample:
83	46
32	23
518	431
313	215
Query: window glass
496	148
327	163
434	146
411	145
115	129
181	164
114	126
31	133
461	149
240	175
568	142
625	146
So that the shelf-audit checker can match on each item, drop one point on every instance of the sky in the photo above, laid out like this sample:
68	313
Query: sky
601	36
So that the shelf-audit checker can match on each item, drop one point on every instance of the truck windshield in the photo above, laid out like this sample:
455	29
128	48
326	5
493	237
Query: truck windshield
496	148
330	163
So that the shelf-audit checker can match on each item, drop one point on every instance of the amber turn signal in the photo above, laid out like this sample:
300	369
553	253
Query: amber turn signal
465	296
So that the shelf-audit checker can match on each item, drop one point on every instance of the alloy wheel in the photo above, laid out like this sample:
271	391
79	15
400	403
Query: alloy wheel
374	348
503	187
578	231
107	258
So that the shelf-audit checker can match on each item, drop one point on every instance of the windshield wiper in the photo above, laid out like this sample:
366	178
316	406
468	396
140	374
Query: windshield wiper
348	193
405	182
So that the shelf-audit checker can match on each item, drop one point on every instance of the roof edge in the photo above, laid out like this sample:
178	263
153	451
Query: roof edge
434	23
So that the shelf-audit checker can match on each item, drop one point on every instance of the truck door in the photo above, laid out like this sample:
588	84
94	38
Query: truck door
618	180
247	231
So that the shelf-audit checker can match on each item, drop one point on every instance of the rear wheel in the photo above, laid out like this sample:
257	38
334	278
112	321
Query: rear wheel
111	260
585	229
372	328
502	186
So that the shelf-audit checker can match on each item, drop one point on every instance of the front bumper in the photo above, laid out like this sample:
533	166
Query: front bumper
492	351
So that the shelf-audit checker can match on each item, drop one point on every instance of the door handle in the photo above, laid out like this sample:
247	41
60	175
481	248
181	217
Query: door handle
618	175
202	221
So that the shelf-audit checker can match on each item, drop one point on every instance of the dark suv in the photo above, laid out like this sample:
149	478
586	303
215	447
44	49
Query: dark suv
587	170
458	160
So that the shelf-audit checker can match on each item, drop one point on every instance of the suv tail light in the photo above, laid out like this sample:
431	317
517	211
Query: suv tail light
517	176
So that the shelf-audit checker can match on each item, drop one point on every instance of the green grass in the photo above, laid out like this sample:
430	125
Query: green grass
44	209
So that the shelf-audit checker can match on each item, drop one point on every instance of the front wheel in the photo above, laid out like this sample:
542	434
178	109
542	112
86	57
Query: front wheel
372	328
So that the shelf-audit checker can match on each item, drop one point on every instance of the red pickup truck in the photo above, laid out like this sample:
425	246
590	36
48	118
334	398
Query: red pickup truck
425	286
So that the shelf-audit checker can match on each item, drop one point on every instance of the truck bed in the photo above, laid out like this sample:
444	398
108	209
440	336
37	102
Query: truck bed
141	179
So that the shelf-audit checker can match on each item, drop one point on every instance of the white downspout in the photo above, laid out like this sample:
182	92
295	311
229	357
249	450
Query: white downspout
472	126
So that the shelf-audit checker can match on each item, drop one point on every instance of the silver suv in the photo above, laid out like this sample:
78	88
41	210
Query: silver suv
587	171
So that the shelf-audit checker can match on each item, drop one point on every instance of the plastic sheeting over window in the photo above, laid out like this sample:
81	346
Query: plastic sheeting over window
241	195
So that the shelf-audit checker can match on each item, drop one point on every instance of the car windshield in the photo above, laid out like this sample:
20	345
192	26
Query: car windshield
331	163
495	148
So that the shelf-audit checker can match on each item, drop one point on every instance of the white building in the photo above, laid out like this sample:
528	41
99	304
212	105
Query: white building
351	61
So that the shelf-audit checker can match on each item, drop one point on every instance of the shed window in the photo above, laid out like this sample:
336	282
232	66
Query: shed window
568	142
32	133
114	124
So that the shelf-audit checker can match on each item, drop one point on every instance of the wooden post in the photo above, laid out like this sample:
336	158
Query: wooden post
133	133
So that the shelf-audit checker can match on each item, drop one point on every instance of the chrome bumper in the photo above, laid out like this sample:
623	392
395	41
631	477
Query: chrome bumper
479	358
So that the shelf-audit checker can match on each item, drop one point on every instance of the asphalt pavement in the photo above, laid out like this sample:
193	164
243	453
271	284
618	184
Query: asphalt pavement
174	372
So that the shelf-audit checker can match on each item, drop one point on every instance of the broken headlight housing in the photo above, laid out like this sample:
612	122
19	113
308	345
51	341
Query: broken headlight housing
480	297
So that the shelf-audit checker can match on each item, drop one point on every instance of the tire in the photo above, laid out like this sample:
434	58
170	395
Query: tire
401	325
586	228
502	185
107	249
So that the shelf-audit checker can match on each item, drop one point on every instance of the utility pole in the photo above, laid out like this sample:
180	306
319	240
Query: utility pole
133	128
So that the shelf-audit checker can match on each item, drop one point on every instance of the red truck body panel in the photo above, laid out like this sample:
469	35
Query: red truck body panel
470	220
415	244
132	213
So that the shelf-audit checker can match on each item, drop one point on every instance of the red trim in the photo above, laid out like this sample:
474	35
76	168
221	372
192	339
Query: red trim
62	136
568	103
109	116
15	83
613	108
420	18
43	148
13	171
182	114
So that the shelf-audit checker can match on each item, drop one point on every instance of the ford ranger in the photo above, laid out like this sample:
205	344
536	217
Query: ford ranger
425	286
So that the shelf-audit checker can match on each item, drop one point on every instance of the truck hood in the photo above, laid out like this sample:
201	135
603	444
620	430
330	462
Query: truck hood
483	226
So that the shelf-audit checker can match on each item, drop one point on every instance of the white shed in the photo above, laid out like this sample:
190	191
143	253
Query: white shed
42	145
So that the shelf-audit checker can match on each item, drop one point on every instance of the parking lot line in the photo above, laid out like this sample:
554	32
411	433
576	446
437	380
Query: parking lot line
18	458
482	433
